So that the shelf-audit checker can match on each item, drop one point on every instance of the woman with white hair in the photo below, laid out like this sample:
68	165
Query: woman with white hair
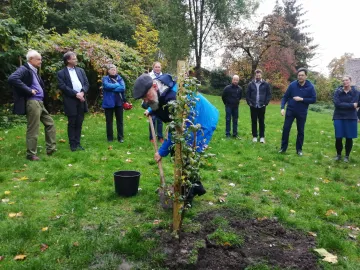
346	100
113	100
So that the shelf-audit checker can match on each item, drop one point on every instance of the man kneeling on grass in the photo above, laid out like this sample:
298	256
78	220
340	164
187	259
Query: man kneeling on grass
157	94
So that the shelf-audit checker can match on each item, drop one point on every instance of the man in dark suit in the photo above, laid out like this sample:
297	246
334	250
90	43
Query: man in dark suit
29	94
74	84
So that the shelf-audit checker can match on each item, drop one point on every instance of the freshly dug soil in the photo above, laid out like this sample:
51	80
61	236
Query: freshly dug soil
265	242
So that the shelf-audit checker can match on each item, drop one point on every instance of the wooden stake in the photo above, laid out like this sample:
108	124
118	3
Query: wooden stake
178	204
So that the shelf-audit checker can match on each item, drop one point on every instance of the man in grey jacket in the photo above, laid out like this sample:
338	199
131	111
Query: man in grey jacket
258	96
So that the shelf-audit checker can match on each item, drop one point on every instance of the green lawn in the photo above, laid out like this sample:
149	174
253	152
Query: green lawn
89	226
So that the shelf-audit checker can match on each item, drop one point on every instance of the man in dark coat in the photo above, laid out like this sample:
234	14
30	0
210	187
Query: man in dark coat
29	93
74	85
298	96
258	96
231	98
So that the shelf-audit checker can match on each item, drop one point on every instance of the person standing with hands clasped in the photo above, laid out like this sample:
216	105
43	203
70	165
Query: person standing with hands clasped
231	98
298	96
258	96
73	83
346	100
114	98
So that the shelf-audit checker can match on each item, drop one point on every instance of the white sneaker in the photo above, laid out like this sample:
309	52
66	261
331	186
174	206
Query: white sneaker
262	140
254	139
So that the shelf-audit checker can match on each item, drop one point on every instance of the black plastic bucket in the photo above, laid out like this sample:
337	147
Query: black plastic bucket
126	183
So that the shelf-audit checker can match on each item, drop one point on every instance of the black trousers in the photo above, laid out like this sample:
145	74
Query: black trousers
74	127
109	116
290	116
258	114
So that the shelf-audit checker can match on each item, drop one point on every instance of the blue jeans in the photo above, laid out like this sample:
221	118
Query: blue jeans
290	116
158	126
231	112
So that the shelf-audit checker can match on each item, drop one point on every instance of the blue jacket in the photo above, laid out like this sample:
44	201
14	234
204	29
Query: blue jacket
344	103
307	92
205	114
113	92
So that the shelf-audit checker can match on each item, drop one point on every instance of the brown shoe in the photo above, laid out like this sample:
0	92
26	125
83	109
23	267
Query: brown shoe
49	153
33	158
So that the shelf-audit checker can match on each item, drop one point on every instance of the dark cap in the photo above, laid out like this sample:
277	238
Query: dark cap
142	86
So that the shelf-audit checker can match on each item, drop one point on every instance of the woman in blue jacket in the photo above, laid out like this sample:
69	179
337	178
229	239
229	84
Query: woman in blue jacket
114	98
346	100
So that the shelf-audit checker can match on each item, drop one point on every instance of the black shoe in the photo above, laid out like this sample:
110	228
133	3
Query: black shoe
121	140
79	147
110	140
346	159
337	158
198	188
299	153
73	149
236	137
228	136
282	151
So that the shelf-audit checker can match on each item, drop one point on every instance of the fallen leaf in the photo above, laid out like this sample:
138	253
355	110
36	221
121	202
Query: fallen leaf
20	257
70	165
5	200
1	258
76	185
157	221
262	218
328	257
128	152
10	203
232	184
18	137
62	141
43	247
11	215
292	211
316	193
211	203
222	199
227	244
259	158
76	244
219	170
272	178
128	160
312	234
241	165
225	194
352	236
265	190
110	147
325	181
331	212
45	229
316	189
1	139
23	178
7	192
42	179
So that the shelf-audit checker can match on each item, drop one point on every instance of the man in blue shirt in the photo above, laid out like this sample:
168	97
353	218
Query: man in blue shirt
298	96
